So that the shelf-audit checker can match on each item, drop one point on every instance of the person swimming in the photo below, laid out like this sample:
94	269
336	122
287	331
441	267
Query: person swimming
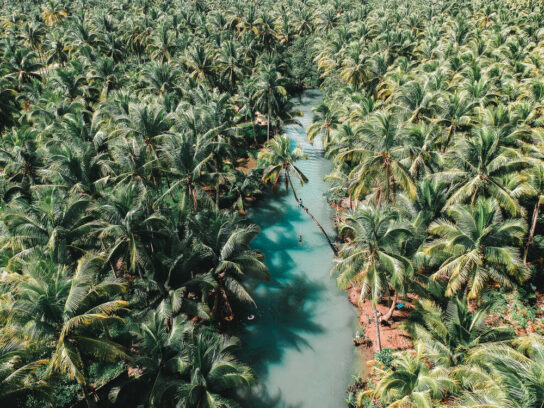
300	238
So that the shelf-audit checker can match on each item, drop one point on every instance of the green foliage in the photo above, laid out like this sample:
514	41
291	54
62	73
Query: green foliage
121	130
385	356
432	115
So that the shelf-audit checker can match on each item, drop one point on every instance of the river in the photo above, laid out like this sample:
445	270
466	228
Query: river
300	342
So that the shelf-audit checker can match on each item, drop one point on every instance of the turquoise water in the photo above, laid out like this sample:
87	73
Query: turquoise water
300	342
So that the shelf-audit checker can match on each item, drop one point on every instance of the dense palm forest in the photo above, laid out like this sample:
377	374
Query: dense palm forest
125	253
432	119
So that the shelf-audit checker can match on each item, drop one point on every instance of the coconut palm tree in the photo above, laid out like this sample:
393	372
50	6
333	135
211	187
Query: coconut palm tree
186	157
476	248
160	360
373	257
479	165
17	376
378	152
503	375
214	372
74	312
230	260
269	89
127	230
411	382
325	120
446	335
278	159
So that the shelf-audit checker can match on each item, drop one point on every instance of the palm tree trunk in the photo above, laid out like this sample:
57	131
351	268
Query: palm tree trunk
86	396
389	314
254	128
334	250
268	125
217	195
532	231
448	137
378	338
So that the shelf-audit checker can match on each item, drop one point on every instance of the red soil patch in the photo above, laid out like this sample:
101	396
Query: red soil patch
246	165
391	334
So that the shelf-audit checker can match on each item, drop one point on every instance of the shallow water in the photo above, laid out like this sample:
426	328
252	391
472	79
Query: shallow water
300	342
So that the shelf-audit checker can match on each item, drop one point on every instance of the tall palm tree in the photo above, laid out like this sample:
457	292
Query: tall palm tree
499	375
447	335
325	120
476	248
214	373
74	312
410	382
373	257
269	89
127	230
378	152
278	159
479	165
16	375
185	158
160	360
230	258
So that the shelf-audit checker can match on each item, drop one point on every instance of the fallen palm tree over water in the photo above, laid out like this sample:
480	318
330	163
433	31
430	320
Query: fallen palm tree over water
279	158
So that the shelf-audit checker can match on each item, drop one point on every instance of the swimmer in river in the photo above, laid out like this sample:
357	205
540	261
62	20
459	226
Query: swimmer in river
300	203
300	238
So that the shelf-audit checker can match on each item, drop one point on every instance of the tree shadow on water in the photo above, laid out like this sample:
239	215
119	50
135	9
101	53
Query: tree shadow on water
259	396
284	318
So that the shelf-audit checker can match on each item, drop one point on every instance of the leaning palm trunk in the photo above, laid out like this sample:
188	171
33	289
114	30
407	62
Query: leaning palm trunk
532	231
377	321
389	314
334	250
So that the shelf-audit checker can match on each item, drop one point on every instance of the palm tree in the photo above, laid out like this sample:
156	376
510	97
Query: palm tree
411	382
373	258
22	67
355	66
127	230
504	375
160	360
160	77
378	152
446	336
268	91
16	376
186	157
230	64
420	149
476	248
479	165
230	258
214	373
53	221
325	120
278	159
74	312
454	111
